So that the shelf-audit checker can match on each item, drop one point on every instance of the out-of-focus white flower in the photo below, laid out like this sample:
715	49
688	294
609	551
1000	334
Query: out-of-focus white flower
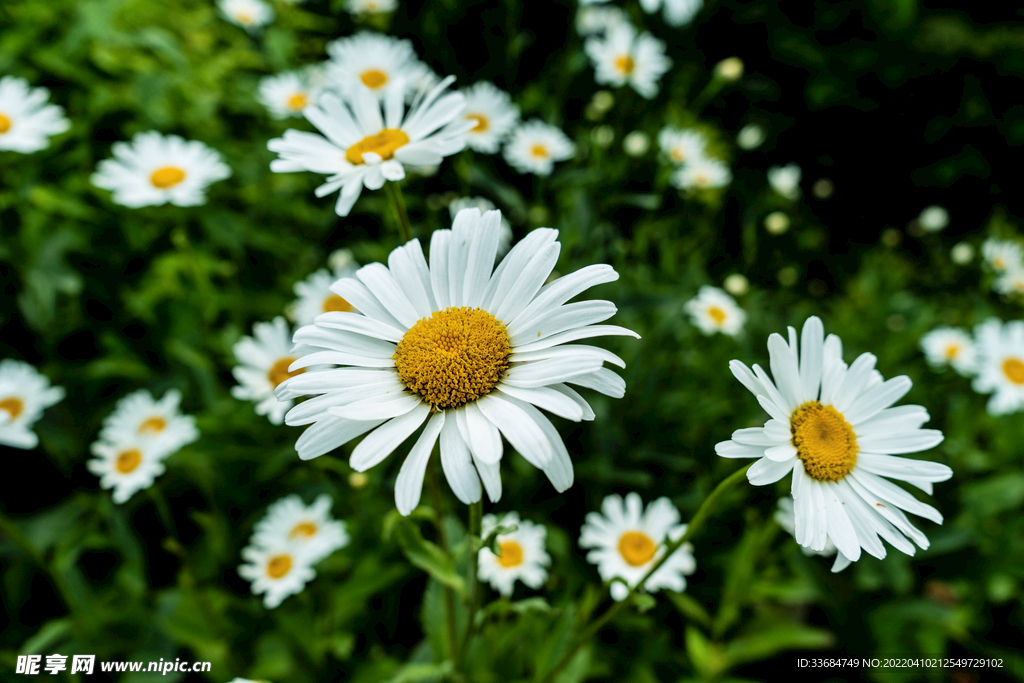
289	520
251	15
1000	365
371	6
494	114
535	146
933	218
712	310
374	61
263	363
591	21
681	145
1010	283
139	416
1003	255
677	12
24	394
276	571
287	94
737	284
636	143
316	297
950	346
622	57
127	465
702	173
521	554
785	180
26	120
751	136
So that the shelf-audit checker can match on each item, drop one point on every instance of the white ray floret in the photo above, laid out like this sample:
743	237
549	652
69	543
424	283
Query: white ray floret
316	297
287	94
623	57
160	423
950	346
682	145
251	15
521	554
263	361
374	61
311	527
276	571
713	310
1003	255
535	146
27	121
24	395
127	465
1000	365
786	518
493	114
484	205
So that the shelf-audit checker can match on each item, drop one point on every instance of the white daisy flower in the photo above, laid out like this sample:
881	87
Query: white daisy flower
713	310
155	169
263	365
128	464
251	15
751	136
290	521
316	297
484	205
469	353
702	173
24	395
933	218
374	61
677	12
785	180
521	554
1000	365
681	145
786	518
287	94
139	416
627	541
368	146
1003	255
623	57
832	426
26	120
277	571
1010	283
534	147
950	346
592	21
491	109
371	6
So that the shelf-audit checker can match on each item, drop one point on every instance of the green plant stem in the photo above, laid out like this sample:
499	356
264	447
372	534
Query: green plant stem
10	530
476	511
398	202
442	537
692	529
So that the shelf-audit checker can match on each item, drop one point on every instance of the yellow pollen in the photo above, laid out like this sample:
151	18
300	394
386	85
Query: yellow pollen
539	151
1013	368
678	155
154	425
824	441
453	357
280	373
244	18
336	303
373	78
952	351
482	123
383	143
510	554
13	405
298	101
999	263
307	529
279	566
5	124
701	179
625	64
637	548
717	314
168	176
127	461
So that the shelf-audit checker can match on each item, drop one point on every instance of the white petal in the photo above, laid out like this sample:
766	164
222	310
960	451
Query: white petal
359	324
732	449
887	491
386	438
564	288
747	378
569	351
479	433
588	412
386	290
329	433
603	381
853	384
903	468
357	294
547	398
457	464
518	428
812	343
523	289
482	252
410	270
783	364
513	265
409	485
574	335
754	436
905	442
544	372
840	529
439	267
559	468
840	564
874	401
378	407
766	471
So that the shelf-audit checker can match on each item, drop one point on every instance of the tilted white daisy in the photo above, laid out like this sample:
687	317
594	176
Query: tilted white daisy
521	554
1010	282
485	205
702	173
534	147
24	394
368	142
139	415
371	6
950	346
677	12
277	570
287	94
592	21
1003	255
251	15
786	518
832	426
1000	365
627	541
713	310
290	521
469	353
681	145
26	120
316	297
623	57
128	464
785	180
263	365
493	113
155	169
372	60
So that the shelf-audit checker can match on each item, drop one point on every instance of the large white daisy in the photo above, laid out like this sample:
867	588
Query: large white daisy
786	518
372	60
287	94
493	113
24	395
139	415
521	554
484	204
251	15
713	310
534	147
1000	365
950	346
627	541
677	12
290	521
623	57
276	571
702	173
832	426
128	464
468	352
26	120
155	169
681	145
263	365
369	142
316	297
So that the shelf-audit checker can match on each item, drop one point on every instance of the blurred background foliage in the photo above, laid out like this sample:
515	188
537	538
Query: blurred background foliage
898	104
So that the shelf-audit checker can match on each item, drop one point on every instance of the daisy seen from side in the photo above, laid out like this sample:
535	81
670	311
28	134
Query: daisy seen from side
521	554
702	173
289	520
27	121
713	310
160	423
493	113
24	394
535	146
263	364
623	57
950	346
1000	365
681	145
251	15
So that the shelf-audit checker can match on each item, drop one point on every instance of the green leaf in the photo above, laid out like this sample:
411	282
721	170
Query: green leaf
775	638
690	608
428	556
491	542
423	672
51	633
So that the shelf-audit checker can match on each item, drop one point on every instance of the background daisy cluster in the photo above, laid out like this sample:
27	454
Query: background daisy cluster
717	157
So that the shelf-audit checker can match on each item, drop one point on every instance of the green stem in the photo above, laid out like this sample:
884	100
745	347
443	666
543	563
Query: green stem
692	529
476	511
9	529
398	202
442	537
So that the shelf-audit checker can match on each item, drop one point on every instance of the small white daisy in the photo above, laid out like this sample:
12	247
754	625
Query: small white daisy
1000	365
702	173
623	57
677	12
374	61
832	426
591	21
24	395
521	554
681	145
264	361
371	6
316	297
933	218
1010	282
785	180
713	310
786	518
627	541
367	145
127	465
534	147
26	120
290	521
139	416
251	15
277	571
469	353
287	94
491	109
484	205
1003	255
751	136
950	346
155	169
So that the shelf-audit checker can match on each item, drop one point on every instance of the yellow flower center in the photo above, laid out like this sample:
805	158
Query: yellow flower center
482	123
383	143
307	529
128	460
168	176
625	64
279	372
510	554
701	179
5	124
279	565
999	263
373	78
1013	368
678	154
952	351
244	18
717	314
824	441
336	303
539	151
637	548
13	406
453	357
298	101
154	425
